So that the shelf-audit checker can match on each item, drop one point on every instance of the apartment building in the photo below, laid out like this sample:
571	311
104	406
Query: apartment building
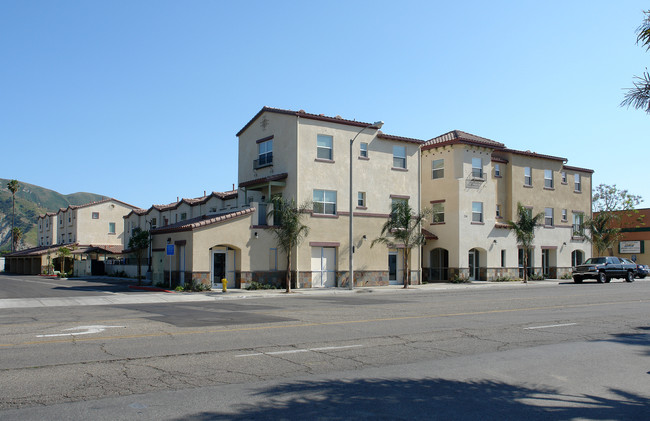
473	184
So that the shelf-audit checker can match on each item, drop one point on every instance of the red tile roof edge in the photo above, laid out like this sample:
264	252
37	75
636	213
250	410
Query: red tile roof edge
535	155
571	168
198	222
274	177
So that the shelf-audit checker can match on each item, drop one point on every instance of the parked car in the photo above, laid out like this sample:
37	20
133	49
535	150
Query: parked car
603	269
641	270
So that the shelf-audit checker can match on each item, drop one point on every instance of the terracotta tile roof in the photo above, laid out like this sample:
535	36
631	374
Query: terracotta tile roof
275	177
429	235
501	225
457	136
496	158
303	114
109	199
78	249
231	194
383	135
587	170
535	155
202	221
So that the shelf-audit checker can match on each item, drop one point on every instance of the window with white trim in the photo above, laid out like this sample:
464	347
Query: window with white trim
438	213
324	145
265	153
399	156
438	168
111	227
563	175
363	150
548	217
497	170
528	178
498	214
578	228
477	211
325	202
548	179
361	199
564	215
577	182
477	168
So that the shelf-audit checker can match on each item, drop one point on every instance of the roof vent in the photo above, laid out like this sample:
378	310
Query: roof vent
339	117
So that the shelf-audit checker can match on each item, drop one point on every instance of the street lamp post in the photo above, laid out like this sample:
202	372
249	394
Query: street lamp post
376	125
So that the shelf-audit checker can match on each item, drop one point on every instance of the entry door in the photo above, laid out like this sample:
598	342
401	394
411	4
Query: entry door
545	262
218	266
473	265
323	267
393	272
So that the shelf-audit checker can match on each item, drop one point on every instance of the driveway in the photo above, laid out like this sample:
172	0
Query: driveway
26	286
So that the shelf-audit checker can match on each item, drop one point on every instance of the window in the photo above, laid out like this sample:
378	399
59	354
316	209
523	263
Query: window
95	215
399	156
153	222
273	259
111	227
395	200
503	258
361	199
325	202
165	221
548	179
183	216
564	217
563	175
438	168
498	215
548	217
578	229
497	170
265	153
363	150
528	179
438	213
477	168
477	211
324	147
577	182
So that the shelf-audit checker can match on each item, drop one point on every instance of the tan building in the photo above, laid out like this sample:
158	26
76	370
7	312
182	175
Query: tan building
473	184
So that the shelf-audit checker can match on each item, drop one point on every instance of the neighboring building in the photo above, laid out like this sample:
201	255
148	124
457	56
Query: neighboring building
93	231
635	234
473	184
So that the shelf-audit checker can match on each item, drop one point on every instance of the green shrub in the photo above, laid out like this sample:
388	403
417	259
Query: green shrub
566	276
459	279
179	288
504	279
258	285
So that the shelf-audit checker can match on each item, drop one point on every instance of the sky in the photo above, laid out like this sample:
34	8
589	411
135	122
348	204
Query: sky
142	100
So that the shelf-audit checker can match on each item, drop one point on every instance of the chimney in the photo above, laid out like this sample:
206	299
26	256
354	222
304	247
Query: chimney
204	193
233	186
177	199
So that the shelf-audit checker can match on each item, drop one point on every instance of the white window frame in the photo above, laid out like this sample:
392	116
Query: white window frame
577	183
363	150
548	217
438	169
498	211
577	228
265	153
361	199
548	179
477	170
528	176
438	212
323	204
325	147
399	156
563	175
111	227
477	212
497	170
564	215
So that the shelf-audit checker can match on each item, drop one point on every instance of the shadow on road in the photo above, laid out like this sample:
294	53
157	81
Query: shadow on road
430	399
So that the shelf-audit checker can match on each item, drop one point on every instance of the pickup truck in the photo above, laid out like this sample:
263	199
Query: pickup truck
603	269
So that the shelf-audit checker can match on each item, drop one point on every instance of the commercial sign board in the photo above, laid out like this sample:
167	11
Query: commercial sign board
630	247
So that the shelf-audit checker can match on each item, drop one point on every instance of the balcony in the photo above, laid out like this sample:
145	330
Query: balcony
264	160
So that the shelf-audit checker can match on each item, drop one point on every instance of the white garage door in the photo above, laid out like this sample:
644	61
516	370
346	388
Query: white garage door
323	267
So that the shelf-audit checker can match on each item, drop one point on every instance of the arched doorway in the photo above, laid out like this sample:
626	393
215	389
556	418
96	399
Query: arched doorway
474	265
439	264
577	258
223	264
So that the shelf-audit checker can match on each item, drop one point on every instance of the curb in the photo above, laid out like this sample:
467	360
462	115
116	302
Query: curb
146	288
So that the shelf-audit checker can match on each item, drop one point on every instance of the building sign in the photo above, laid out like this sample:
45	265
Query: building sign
630	247
170	249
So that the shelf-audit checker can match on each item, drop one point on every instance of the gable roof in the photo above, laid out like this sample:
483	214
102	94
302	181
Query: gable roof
457	136
192	202
202	221
99	202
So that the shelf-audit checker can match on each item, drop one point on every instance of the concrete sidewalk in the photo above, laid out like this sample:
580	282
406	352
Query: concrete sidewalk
153	297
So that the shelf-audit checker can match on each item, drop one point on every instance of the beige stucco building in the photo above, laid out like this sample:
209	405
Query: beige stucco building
473	185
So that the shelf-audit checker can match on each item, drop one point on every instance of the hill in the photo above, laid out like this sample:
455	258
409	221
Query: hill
32	201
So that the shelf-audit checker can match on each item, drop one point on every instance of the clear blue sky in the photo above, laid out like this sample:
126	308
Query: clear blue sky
141	100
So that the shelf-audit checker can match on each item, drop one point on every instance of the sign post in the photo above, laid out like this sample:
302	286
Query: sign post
170	253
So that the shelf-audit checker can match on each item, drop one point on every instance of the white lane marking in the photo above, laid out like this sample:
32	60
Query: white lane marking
295	351
84	330
544	327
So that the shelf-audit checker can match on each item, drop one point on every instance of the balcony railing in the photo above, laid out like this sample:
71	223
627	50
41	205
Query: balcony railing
264	160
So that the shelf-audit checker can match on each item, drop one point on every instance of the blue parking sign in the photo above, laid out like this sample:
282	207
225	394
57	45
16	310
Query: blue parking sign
170	249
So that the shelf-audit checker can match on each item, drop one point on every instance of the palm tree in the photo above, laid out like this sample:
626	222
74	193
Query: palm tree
524	230
13	187
16	235
63	252
404	227
602	234
139	243
639	96
288	228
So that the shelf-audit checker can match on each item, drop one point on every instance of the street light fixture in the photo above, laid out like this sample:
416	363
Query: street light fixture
376	125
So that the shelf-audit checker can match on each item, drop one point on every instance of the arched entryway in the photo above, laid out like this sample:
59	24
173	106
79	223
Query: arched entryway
477	259
224	265
577	258
439	264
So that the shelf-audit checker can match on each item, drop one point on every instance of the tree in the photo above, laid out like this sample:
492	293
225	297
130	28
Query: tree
611	199
602	232
403	227
639	96
290	231
138	244
13	187
16	235
524	229
63	252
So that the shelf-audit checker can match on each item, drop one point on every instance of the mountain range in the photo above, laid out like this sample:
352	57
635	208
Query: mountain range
32	201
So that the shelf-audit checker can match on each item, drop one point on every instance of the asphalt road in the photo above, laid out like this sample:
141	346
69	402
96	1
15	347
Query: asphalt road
559	351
